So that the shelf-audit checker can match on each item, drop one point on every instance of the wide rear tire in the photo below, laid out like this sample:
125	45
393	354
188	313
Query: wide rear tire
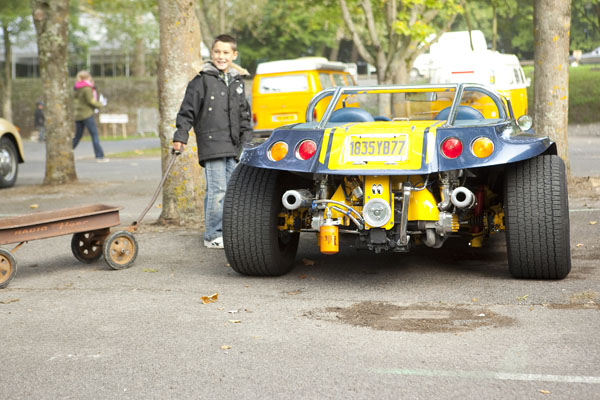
253	244
537	219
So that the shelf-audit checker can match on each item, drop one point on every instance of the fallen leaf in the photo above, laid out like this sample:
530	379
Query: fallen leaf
33	206
225	347
9	301
593	222
523	298
209	299
235	321
475	300
542	391
159	206
294	292
531	308
302	277
308	261
150	270
579	245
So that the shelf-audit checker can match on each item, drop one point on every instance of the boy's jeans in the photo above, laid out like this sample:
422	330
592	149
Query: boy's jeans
90	124
218	172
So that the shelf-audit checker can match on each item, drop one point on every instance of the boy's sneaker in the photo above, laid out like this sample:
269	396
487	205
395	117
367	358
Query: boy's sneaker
102	160
215	243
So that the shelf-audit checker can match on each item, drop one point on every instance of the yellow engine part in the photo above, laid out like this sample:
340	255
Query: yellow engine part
422	205
379	187
329	239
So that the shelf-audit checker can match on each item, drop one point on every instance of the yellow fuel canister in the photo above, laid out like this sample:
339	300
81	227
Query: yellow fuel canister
329	239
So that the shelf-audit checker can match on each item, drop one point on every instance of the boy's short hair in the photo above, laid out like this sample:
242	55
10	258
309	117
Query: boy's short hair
225	39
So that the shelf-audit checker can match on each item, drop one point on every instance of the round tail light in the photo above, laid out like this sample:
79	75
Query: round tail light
277	151
482	147
306	150
452	147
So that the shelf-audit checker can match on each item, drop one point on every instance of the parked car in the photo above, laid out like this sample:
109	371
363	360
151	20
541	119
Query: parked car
438	161
282	89
11	153
593	57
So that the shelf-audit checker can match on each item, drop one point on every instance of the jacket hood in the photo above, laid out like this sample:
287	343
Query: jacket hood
234	70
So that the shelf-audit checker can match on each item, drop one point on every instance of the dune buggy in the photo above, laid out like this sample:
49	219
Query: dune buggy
397	167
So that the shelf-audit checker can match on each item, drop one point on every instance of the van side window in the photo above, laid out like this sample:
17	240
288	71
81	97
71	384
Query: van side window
338	79
283	84
325	80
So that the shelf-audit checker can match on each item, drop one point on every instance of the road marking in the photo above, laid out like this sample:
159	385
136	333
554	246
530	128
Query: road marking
506	376
584	209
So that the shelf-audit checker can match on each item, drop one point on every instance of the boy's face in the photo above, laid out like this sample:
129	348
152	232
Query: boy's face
222	55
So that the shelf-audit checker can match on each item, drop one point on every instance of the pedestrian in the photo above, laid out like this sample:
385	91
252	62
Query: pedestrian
86	101
39	120
215	106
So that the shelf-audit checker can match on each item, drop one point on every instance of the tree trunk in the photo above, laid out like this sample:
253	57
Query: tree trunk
6	94
552	21
179	48
51	18
139	59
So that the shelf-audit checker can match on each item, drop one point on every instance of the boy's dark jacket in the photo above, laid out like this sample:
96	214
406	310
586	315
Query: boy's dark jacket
219	114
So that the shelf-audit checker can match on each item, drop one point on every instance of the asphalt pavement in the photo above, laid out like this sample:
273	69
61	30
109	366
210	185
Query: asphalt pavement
448	323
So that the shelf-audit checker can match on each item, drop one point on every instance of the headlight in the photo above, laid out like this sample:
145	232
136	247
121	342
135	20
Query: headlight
377	212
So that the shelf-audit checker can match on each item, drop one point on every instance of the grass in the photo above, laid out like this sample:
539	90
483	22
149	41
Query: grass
584	93
153	152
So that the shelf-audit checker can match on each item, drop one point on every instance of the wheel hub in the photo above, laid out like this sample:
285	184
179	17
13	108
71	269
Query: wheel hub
7	167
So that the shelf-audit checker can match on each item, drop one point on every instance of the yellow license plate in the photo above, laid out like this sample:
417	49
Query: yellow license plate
376	147
284	117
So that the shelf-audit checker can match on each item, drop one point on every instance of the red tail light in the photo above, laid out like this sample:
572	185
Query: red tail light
452	147
306	150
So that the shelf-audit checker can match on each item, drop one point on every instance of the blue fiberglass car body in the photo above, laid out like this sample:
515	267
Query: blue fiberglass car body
401	166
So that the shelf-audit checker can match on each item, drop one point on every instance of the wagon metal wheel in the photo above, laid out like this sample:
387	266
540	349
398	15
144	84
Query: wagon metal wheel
86	247
8	268
120	250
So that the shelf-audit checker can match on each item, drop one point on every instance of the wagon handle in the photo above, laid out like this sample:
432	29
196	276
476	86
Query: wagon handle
136	223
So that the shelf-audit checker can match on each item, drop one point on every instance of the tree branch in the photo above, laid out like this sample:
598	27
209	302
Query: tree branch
364	53
368	10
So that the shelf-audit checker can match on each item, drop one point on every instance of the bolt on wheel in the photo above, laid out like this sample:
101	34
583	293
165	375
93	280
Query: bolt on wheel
120	250
8	268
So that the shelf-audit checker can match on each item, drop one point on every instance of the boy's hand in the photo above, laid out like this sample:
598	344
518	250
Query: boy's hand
178	146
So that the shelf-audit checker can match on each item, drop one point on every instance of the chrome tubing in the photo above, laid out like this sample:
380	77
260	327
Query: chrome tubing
294	199
463	198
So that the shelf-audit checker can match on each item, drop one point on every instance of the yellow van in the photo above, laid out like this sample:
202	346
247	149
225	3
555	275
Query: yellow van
282	89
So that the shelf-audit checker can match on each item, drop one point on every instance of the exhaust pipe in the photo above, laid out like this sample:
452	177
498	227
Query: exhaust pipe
463	198
294	199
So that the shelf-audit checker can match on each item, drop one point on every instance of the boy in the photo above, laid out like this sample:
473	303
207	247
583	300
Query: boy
215	106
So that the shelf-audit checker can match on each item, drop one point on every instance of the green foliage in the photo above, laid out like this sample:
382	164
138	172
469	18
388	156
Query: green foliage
584	93
287	29
585	25
126	20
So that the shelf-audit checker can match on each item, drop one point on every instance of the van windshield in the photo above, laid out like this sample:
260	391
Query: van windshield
283	84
